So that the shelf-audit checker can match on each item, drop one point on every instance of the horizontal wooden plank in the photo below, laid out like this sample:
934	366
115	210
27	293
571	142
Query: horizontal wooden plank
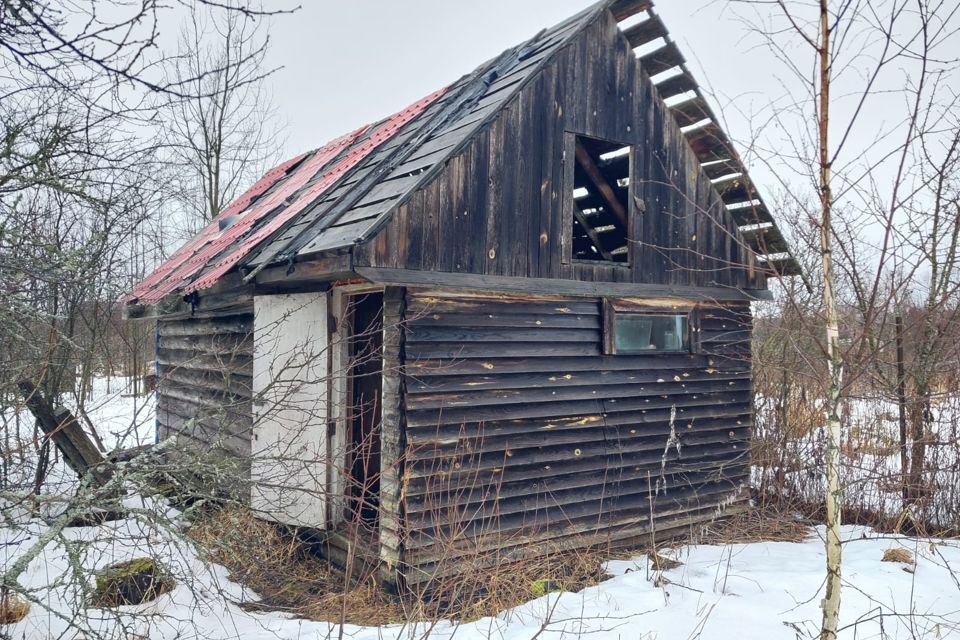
540	447
426	305
676	85
414	278
645	31
424	476
220	344
430	350
236	384
234	363
609	486
623	9
686	418
578	517
235	324
422	334
425	494
552	380
517	320
609	392
541	363
585	407
661	59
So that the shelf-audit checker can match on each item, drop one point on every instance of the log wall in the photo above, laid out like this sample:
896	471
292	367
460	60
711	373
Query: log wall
204	388
521	436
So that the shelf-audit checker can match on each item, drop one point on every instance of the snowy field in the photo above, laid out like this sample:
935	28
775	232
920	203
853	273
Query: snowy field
766	590
870	468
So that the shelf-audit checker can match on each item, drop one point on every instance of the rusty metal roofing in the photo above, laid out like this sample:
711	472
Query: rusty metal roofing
342	193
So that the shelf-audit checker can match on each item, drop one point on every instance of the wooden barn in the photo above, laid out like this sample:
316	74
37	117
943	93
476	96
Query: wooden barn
513	317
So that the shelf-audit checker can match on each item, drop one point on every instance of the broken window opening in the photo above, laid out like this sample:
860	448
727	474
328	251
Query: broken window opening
601	203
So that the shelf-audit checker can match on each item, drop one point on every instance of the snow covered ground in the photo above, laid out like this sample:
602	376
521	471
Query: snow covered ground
766	590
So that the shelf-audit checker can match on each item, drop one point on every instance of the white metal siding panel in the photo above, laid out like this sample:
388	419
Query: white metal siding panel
290	353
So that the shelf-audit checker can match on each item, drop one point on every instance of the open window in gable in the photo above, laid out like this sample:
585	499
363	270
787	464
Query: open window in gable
600	226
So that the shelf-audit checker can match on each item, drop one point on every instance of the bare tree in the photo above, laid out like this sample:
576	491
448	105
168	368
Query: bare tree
224	134
861	180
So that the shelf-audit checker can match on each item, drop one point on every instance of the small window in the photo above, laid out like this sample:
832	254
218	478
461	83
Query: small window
643	333
601	203
632	329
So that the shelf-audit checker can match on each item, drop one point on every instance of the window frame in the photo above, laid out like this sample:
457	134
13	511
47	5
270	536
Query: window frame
611	308
568	204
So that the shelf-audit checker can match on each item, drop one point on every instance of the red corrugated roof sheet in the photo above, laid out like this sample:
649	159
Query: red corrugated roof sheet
224	249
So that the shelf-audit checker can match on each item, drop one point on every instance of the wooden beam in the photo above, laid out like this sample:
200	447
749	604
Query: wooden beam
591	232
600	183
550	286
623	9
675	85
322	267
646	31
174	306
660	60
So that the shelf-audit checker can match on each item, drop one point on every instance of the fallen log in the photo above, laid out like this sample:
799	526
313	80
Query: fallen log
63	428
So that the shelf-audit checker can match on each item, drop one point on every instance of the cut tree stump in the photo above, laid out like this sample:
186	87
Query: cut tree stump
132	582
61	426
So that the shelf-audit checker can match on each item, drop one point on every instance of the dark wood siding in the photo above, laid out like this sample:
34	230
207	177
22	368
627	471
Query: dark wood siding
502	207
521	436
206	370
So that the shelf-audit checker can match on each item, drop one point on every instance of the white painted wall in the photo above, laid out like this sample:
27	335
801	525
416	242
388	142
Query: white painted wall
290	457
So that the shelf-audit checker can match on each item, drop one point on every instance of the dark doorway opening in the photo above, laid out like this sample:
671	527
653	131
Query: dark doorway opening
365	382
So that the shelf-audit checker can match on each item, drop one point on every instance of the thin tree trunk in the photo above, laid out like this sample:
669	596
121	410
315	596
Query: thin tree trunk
902	413
831	599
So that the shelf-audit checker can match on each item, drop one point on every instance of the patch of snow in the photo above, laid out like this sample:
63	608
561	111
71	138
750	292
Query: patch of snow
768	591
762	591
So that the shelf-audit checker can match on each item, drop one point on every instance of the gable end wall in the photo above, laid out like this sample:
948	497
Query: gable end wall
497	208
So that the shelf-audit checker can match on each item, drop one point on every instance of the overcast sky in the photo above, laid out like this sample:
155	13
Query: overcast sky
349	63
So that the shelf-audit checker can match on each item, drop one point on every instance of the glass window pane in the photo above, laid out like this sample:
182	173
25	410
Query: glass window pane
638	333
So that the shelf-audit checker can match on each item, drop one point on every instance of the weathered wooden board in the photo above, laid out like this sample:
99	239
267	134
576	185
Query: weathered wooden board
512	439
204	386
500	208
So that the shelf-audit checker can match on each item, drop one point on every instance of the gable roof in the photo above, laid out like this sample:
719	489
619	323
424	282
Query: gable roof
342	193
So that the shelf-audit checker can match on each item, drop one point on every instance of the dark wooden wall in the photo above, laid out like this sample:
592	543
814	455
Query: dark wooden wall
521	437
206	372
501	207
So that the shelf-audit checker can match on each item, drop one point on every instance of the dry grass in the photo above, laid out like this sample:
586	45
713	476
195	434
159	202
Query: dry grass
487	587
757	525
286	574
662	563
897	554
13	608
